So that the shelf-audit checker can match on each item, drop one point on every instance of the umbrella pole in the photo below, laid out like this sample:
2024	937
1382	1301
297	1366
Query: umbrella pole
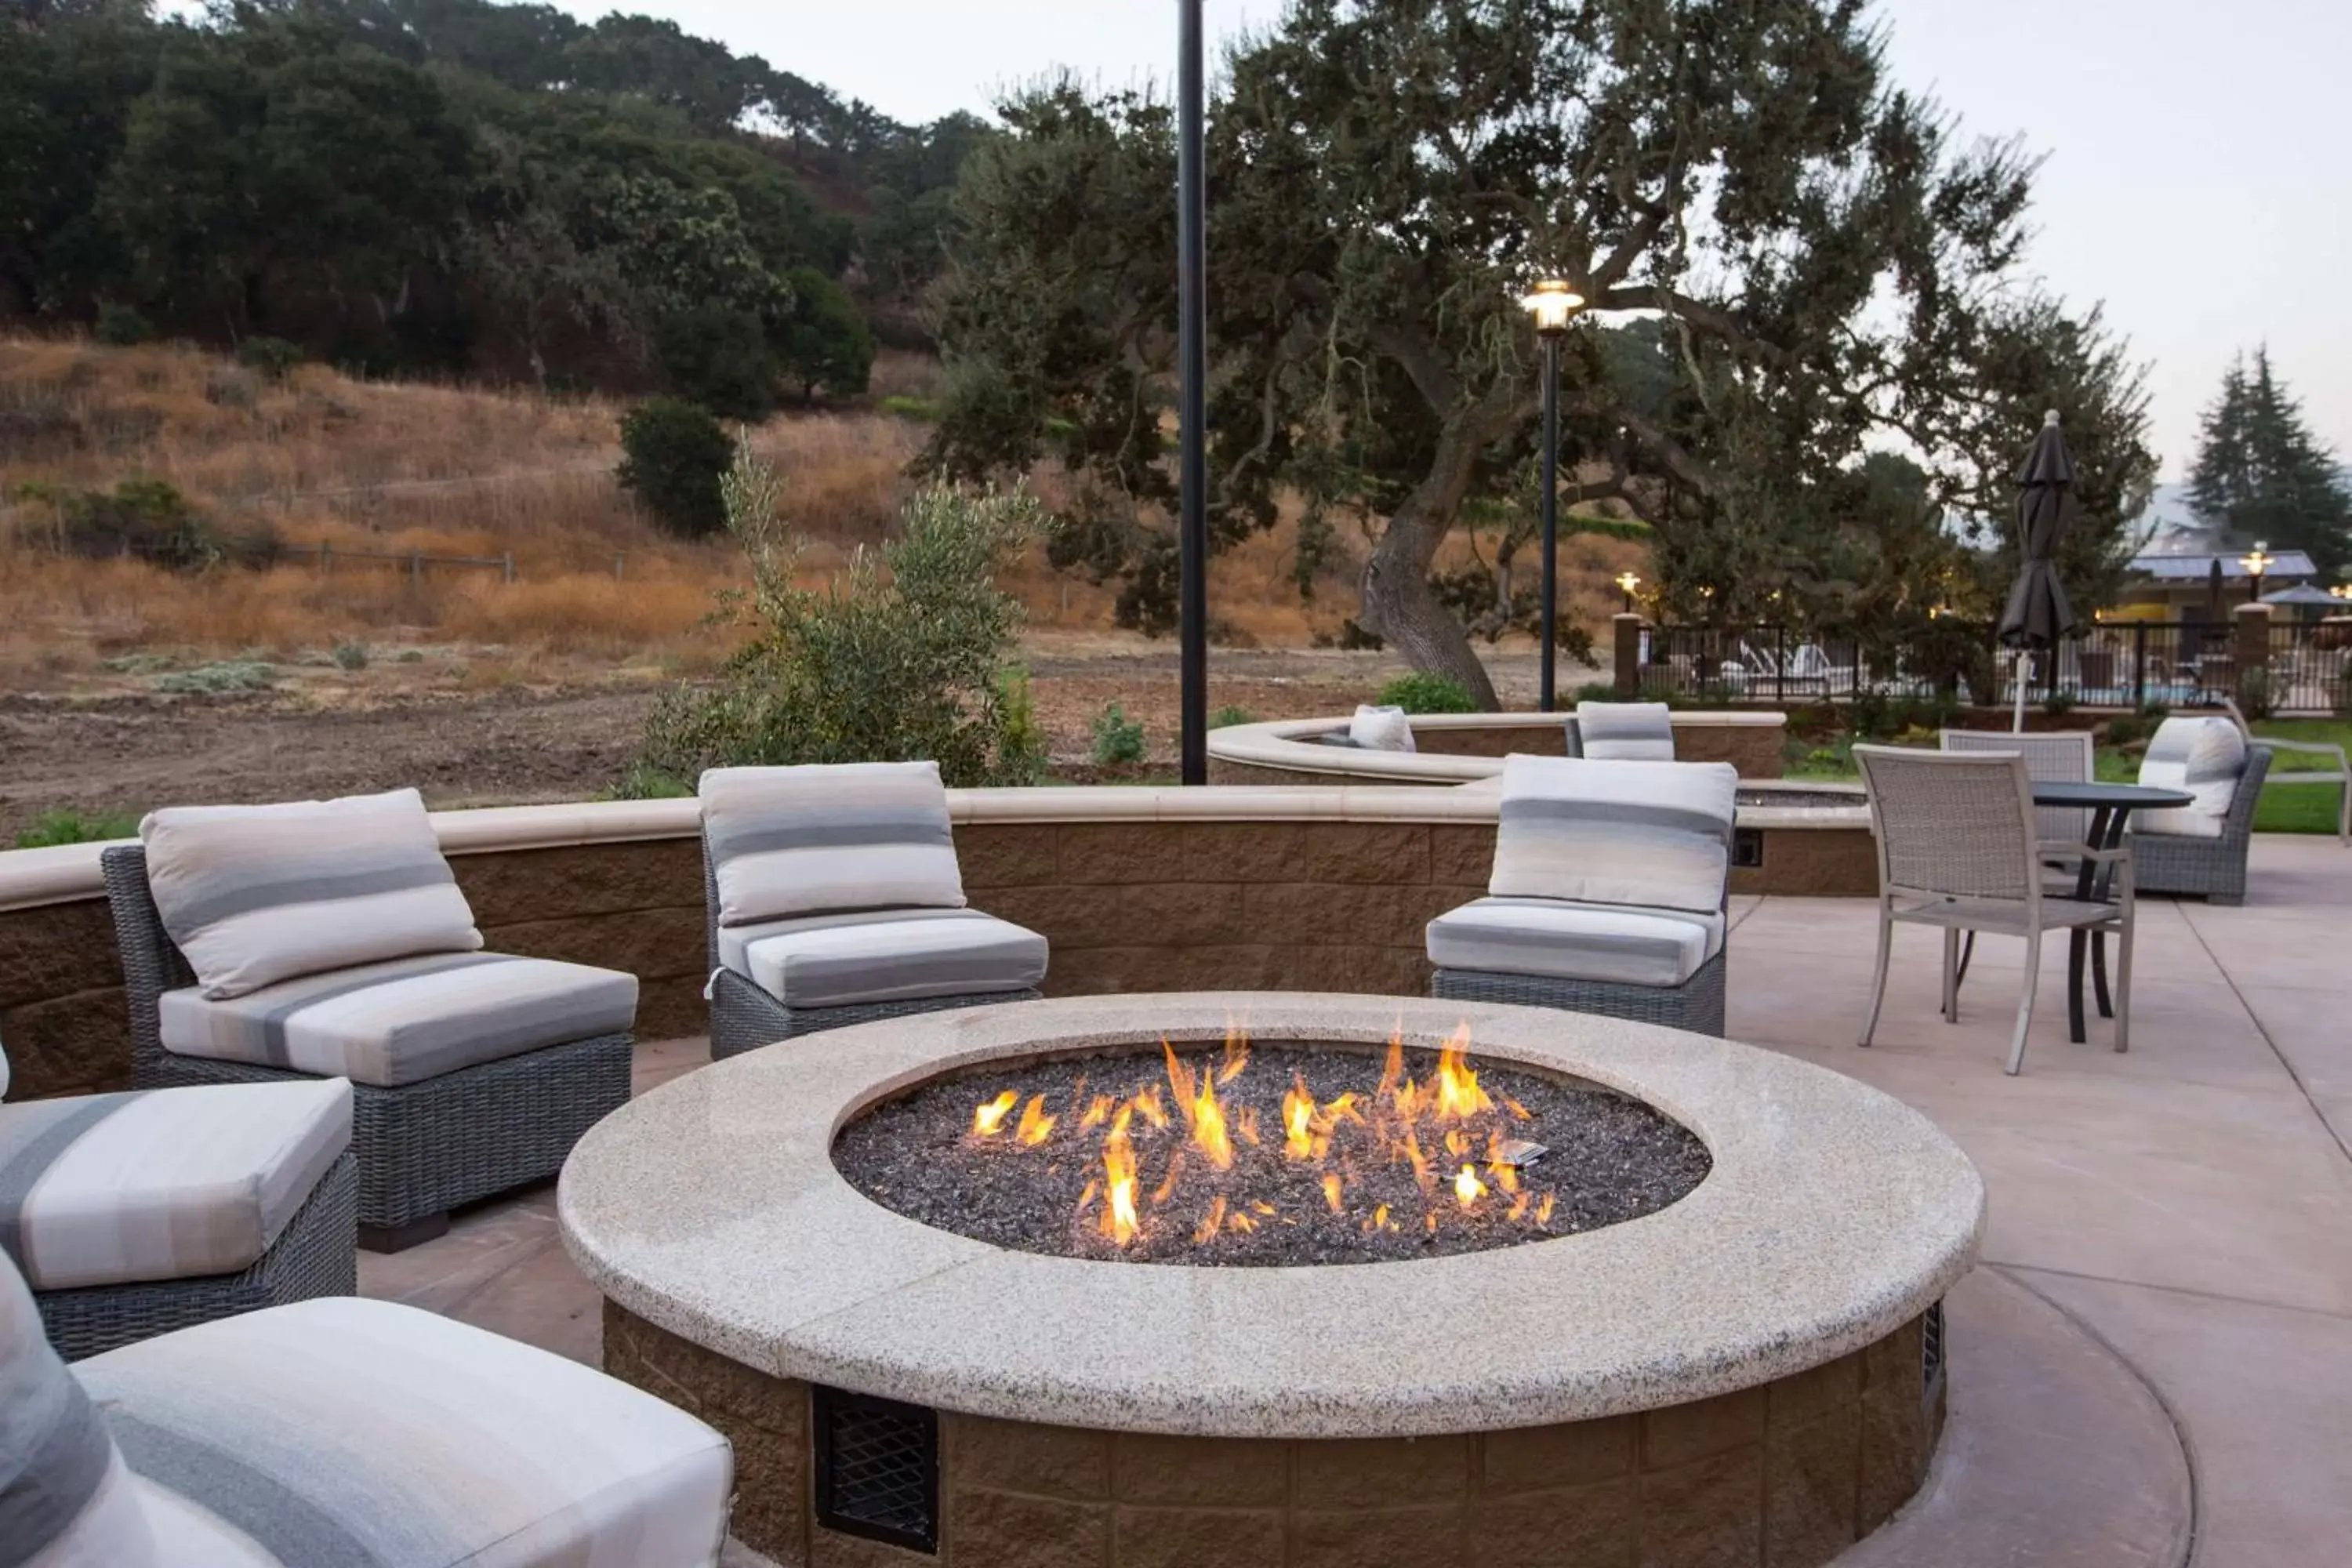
2017	674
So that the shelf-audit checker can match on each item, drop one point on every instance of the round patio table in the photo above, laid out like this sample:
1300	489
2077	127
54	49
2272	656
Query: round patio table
2110	805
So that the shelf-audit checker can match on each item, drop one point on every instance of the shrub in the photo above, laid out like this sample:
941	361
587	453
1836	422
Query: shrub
2058	704
721	359
1594	691
825	342
349	655
905	655
267	357
153	521
63	826
922	410
1117	738
1228	716
672	453
2255	693
119	326
219	678
1423	692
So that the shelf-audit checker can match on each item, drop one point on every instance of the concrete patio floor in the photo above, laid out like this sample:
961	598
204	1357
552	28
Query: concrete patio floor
2189	1204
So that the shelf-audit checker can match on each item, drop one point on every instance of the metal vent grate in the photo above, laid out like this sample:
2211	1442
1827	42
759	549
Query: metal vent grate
1747	847
877	1468
1931	1347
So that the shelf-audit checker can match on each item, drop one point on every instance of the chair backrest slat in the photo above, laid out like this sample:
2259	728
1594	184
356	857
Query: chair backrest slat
2052	756
1952	823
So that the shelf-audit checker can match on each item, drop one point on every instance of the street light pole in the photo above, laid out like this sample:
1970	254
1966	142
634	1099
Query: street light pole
1552	303
1192	355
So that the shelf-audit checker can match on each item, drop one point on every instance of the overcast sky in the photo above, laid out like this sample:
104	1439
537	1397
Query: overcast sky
2194	179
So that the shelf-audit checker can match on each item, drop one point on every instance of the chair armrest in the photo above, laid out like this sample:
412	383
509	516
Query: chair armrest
2315	748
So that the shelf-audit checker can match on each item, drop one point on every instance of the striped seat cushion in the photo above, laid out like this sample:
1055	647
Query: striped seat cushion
2203	756
110	1189
1625	732
808	840
884	955
1653	835
347	1432
402	1022
66	1498
1615	943
256	894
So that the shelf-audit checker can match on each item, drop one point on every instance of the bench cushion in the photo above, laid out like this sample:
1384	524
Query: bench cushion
256	894
884	955
2203	756
1381	728
852	835
65	1496
1653	835
112	1189
1625	732
348	1431
1608	943
402	1022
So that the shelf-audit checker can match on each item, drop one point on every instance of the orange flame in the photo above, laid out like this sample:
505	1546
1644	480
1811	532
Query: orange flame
1467	1188
1036	1125
1297	1120
1331	1192
1236	1055
1203	1113
1458	1094
1097	1112
1167	1187
1147	1105
1120	1221
989	1119
1208	1226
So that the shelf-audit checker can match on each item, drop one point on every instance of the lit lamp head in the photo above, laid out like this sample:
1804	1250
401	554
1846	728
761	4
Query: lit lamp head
2257	560
1552	304
1629	582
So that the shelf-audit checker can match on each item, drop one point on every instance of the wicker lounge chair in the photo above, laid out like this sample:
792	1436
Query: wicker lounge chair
342	1432
2199	851
832	897
1958	850
134	1215
1608	894
471	1072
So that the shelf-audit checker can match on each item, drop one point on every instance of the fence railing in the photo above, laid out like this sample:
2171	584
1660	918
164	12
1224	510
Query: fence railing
2299	666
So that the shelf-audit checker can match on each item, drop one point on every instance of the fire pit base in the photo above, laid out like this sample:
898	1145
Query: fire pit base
1788	1473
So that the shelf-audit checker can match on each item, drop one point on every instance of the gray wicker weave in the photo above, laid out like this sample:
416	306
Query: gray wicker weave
743	1017
1696	1004
316	1255
424	1148
2215	868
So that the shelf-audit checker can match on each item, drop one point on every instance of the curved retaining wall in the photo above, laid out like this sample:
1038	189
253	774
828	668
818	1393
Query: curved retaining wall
1460	748
1137	889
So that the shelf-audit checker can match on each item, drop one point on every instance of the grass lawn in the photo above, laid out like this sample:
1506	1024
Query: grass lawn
2310	808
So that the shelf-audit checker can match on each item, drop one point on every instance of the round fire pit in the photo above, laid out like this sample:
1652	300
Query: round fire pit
1758	1359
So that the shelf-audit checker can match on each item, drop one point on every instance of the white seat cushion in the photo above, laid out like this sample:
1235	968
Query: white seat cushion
2203	756
1625	732
347	1431
1615	943
256	894
852	835
1381	730
884	955
174	1184
66	1498
402	1022
1651	834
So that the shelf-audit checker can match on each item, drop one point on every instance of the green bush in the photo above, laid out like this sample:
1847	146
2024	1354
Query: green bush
721	359
62	826
825	342
922	410
905	655
151	520
1117	738
1423	692
1228	716
119	326
672	454
219	678
2058	704
349	655
267	357
2255	693
1594	691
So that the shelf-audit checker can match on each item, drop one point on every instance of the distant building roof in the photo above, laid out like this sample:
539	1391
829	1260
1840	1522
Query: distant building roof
2284	563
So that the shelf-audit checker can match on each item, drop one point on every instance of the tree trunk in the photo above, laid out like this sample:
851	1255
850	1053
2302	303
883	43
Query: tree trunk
1399	604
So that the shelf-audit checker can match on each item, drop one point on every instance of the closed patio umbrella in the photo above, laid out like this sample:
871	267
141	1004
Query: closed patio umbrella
2038	613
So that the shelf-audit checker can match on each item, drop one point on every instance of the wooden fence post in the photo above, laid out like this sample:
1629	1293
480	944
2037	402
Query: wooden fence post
509	566
326	559
415	566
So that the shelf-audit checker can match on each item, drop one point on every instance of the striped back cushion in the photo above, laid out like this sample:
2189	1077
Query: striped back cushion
809	840
1654	834
2203	756
1625	732
256	894
65	1496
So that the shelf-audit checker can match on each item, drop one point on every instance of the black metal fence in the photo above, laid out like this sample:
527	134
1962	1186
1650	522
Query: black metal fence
2123	664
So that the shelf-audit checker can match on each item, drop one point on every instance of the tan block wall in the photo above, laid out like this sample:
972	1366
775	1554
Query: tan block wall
1784	1476
1128	906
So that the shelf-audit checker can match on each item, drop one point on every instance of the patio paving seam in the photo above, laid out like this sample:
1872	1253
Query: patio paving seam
2009	1265
2180	1435
2254	1017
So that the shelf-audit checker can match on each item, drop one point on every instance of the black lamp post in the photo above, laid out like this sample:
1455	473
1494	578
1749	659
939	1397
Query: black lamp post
1552	304
1193	356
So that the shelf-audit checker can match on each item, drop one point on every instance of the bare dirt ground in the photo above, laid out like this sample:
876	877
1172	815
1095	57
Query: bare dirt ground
100	752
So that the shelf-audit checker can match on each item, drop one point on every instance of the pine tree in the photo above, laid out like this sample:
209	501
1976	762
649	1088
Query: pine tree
2265	478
